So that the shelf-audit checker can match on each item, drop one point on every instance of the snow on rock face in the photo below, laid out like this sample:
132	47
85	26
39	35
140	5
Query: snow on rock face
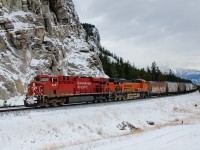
43	36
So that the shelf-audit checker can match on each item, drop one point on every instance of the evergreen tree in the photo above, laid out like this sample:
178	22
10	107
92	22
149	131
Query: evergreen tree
123	69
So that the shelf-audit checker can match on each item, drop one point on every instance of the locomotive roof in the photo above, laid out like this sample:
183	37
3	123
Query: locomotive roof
45	75
51	76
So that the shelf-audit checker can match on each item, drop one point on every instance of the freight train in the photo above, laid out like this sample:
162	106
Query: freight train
47	90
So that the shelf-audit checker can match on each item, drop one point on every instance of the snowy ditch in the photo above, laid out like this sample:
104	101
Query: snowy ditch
64	129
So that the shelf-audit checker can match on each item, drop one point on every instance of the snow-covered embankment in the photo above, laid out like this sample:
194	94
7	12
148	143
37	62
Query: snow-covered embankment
85	126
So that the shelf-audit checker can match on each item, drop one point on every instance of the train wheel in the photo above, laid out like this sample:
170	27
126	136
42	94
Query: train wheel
146	95
95	100
60	103
99	101
25	104
46	103
116	98
105	99
35	105
54	104
125	97
39	103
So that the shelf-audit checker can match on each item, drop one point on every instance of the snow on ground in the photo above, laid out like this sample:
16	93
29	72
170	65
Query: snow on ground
107	126
184	137
14	101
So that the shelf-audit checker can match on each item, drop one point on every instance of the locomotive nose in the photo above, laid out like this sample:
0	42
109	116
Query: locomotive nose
35	88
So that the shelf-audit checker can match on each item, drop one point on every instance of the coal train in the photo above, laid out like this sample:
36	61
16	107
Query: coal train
47	90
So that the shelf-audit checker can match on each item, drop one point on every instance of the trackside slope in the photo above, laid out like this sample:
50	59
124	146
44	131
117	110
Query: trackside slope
82	127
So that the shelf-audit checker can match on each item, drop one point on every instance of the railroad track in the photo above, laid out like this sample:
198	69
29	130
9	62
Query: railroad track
1	107
13	108
80	105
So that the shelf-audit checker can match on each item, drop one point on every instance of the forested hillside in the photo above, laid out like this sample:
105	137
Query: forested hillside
117	67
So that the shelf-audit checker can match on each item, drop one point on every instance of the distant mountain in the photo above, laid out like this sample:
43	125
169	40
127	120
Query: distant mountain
190	74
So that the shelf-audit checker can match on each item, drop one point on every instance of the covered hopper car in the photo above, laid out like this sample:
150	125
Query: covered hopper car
157	88
172	87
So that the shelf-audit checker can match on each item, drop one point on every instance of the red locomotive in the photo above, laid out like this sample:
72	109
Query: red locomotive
54	90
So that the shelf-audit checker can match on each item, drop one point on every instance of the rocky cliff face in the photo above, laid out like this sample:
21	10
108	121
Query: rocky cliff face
43	37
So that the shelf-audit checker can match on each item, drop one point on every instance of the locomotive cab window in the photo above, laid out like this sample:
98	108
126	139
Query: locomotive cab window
44	79
54	79
36	79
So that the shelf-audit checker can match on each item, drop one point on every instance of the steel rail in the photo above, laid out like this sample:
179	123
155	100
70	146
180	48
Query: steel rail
85	104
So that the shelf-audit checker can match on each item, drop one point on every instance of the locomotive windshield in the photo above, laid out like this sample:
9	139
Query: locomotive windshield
44	79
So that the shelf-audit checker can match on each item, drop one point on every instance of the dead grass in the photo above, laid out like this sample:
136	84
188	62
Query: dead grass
54	147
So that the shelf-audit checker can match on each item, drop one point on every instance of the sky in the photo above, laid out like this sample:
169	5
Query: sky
143	31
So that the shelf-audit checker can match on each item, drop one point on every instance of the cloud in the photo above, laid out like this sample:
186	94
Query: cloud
144	31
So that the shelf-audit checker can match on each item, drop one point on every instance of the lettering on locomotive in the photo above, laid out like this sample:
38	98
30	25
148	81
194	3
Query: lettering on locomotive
84	83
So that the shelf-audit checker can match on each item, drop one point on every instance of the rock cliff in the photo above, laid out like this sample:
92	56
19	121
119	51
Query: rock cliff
43	37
